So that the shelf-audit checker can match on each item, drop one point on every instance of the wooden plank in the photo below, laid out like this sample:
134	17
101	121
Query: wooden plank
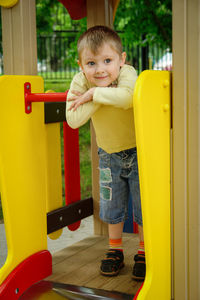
79	265
19	38
73	264
99	12
74	249
186	154
69	214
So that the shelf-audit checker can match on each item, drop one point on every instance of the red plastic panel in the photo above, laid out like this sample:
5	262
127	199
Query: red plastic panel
76	8
72	168
33	269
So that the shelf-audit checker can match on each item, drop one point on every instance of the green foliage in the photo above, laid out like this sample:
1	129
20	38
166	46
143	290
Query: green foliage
85	161
51	16
54	23
141	21
146	21
44	15
71	52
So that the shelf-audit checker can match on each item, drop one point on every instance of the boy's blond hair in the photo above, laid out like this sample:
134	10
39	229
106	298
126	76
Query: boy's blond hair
96	36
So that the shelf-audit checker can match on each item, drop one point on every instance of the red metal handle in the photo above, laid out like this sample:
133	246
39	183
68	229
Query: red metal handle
40	97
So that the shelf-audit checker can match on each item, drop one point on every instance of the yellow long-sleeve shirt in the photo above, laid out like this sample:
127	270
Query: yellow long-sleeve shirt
111	111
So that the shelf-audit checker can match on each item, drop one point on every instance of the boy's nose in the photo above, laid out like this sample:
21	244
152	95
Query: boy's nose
99	69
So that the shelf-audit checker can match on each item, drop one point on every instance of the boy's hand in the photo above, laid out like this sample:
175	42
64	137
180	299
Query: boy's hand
79	98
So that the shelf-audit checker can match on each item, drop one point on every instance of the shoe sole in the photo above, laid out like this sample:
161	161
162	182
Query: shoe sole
113	273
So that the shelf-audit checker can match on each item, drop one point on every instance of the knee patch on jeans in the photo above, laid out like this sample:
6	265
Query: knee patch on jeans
105	177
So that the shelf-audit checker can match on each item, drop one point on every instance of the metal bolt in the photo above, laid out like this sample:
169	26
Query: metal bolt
79	211
165	107
61	218
165	83
28	86
28	107
57	111
16	291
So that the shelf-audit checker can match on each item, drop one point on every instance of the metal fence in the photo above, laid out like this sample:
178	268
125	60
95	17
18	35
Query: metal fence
57	51
57	60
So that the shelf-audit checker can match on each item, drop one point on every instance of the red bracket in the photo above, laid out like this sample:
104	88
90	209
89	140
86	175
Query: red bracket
40	97
33	269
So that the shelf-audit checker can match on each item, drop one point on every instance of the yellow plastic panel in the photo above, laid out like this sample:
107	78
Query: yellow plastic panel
22	167
53	171
28	154
152	122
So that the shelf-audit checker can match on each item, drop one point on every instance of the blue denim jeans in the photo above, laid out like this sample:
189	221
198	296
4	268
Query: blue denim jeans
118	178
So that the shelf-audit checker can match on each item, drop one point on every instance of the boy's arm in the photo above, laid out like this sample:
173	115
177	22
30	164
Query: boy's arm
122	95
84	112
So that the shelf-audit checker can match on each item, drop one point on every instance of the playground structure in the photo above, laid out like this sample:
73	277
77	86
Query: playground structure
162	281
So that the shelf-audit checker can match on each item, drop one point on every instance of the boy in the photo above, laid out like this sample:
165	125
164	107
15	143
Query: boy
103	91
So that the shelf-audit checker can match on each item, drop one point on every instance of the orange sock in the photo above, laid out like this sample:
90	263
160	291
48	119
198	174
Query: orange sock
141	248
116	244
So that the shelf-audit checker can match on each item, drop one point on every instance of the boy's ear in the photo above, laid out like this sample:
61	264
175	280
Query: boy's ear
79	63
123	59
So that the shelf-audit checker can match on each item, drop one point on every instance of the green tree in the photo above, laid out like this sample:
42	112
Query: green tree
54	23
137	19
44	20
146	21
52	16
140	22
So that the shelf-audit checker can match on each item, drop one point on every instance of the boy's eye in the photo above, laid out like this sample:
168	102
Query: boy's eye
107	60
91	63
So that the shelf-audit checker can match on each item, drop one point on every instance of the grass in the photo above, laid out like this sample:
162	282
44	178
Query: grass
58	75
84	148
57	86
85	161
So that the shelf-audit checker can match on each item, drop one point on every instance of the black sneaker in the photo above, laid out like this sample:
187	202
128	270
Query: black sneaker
114	261
139	268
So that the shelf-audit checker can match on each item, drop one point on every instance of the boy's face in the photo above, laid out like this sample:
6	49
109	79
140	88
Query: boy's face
103	68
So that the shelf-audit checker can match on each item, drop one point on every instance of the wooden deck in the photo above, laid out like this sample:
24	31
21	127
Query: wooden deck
79	265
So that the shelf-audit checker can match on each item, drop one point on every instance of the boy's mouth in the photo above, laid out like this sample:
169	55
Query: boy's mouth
101	77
